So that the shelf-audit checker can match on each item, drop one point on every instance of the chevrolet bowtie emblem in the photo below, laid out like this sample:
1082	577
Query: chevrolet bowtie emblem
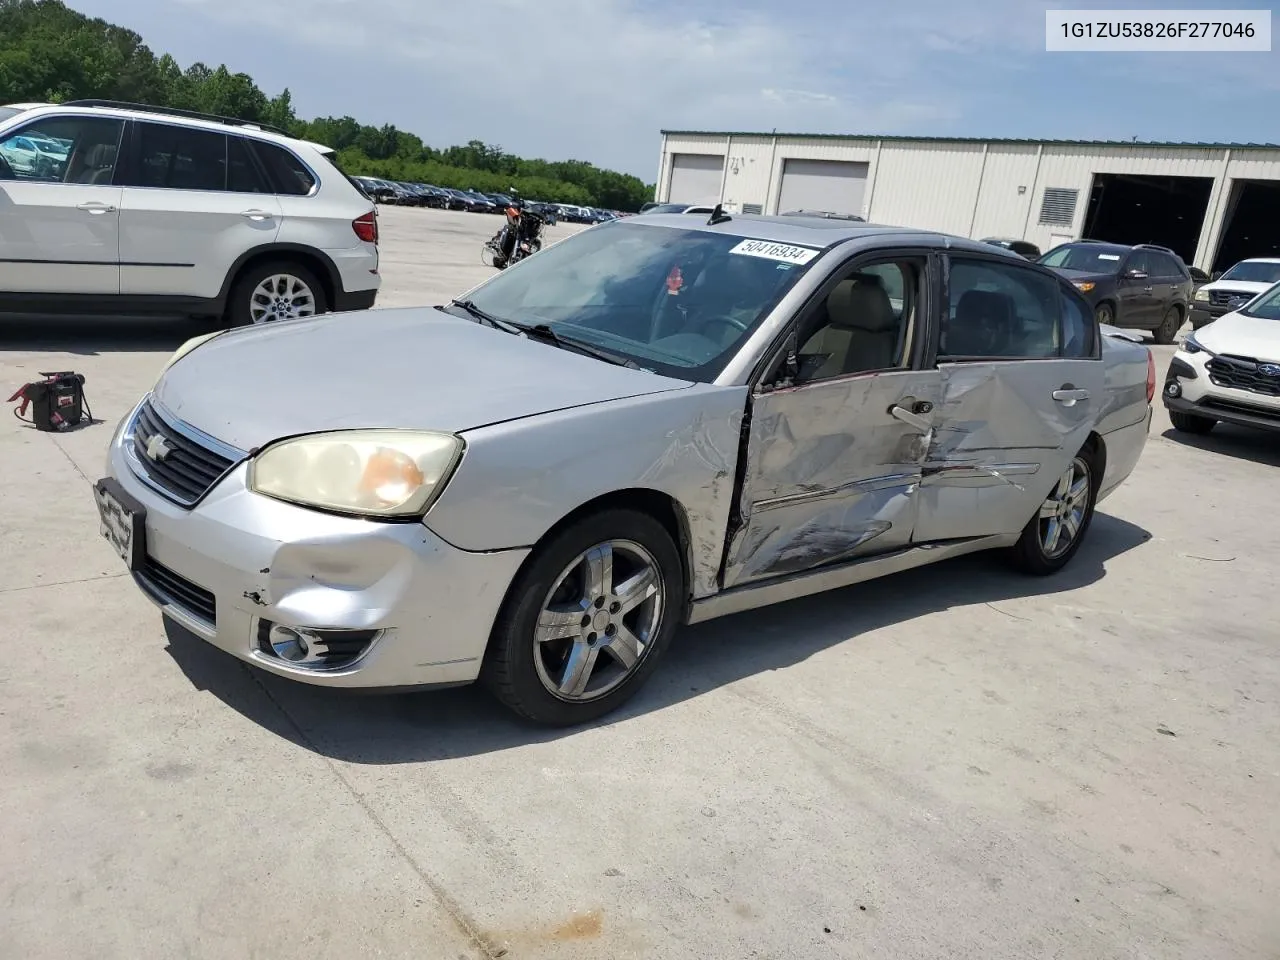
157	448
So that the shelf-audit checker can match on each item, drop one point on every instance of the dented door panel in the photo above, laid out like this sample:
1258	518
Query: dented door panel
1001	441
830	473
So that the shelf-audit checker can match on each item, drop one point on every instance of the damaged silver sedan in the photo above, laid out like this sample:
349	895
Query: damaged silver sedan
655	422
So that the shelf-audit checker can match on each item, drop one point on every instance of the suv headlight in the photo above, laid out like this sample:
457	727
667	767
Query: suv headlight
1202	295
1191	345
369	473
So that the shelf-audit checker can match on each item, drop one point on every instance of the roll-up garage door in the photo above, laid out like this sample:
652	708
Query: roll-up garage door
835	186
695	178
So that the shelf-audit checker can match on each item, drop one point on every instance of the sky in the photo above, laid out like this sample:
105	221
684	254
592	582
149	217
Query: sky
597	80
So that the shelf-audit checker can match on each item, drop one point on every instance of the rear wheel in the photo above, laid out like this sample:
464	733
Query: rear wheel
587	619
1169	326
1105	314
1052	537
1190	422
280	290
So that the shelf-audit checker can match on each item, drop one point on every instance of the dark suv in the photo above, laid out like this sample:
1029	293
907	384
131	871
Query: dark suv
1143	287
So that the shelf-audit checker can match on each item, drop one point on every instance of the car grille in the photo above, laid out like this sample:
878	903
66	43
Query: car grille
175	463
170	587
1244	373
1221	298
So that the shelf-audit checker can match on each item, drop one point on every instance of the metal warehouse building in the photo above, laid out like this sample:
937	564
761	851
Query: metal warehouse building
1214	203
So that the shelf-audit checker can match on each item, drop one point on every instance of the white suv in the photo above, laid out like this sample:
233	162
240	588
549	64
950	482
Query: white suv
126	209
1233	289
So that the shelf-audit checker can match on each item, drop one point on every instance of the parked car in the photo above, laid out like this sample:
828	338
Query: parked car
680	208
455	199
648	207
375	189
1231	291
483	204
1143	287
110	208
1229	370
799	411
1198	276
1023	248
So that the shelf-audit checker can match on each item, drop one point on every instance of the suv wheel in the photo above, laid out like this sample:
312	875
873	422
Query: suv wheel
1105	314
280	290
1169	326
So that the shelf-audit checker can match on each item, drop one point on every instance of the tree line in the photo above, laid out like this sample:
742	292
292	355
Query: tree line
51	53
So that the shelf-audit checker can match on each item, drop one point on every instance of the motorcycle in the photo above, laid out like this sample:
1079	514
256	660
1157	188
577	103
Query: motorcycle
520	237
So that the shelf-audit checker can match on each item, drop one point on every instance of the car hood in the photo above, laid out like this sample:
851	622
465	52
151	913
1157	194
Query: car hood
417	368
1231	286
1242	336
1083	275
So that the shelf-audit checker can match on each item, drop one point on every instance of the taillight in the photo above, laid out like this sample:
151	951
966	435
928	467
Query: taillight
1151	375
366	227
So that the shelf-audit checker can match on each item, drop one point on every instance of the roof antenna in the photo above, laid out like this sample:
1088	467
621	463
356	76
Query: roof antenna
718	216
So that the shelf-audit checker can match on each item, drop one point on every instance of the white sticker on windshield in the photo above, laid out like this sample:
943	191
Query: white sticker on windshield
782	252
1108	256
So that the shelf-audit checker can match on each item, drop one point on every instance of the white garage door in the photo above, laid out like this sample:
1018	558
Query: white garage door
832	185
695	178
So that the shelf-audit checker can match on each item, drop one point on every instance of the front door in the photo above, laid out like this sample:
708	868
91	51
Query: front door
59	212
1022	383
838	433
1136	292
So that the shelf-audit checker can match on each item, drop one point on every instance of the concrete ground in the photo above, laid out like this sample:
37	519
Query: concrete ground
955	762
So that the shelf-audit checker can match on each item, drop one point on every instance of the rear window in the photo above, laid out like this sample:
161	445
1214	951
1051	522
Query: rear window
290	176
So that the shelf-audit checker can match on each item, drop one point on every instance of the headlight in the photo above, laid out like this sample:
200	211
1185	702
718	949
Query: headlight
1201	295
1191	344
373	473
190	345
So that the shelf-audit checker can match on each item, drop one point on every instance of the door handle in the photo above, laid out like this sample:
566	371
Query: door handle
256	215
1068	396
94	207
911	418
1146	289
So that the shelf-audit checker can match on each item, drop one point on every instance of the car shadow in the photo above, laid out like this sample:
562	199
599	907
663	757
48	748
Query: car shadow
448	724
1229	440
94	336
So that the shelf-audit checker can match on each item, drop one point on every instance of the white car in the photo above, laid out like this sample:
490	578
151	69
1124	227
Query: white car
119	209
1229	371
1233	289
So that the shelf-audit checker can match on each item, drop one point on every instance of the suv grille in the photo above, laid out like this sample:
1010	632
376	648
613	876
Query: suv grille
1220	298
1243	373
173	461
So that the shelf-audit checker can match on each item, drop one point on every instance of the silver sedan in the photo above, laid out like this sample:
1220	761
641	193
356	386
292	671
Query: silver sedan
655	422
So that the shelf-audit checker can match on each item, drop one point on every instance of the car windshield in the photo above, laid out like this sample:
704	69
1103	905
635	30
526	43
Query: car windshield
1267	306
678	302
1085	256
1257	271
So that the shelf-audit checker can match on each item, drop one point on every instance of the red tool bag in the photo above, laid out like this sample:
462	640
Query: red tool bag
57	402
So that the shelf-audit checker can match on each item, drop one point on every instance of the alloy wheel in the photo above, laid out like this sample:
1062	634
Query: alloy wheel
598	621
1063	512
281	297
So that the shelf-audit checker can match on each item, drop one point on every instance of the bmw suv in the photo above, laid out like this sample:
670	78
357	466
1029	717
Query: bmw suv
119	208
1142	287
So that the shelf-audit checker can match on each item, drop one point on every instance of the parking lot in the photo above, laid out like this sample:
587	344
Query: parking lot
953	762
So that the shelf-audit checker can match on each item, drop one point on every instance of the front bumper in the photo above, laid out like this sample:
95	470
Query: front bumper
1203	313
1189	389
253	560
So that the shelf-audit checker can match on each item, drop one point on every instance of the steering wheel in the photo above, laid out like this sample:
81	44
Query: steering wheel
727	321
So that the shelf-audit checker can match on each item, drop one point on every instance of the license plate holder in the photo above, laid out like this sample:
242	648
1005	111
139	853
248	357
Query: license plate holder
122	522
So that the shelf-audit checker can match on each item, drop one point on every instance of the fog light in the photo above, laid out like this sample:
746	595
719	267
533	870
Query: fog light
1172	389
288	644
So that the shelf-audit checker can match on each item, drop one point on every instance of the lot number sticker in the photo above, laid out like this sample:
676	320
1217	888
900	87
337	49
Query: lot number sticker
781	252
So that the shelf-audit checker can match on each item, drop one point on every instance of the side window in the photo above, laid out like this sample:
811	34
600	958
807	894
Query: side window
1000	310
289	176
1170	268
864	324
62	150
1142	261
1079	329
243	175
180	158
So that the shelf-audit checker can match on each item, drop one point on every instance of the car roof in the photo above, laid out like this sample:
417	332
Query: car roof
816	231
246	127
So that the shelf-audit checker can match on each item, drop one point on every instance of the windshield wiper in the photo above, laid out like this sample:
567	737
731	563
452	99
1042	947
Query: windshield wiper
543	332
484	317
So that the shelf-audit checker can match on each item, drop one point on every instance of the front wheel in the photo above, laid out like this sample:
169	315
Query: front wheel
1190	422
1169	326
1105	314
1052	537
587	619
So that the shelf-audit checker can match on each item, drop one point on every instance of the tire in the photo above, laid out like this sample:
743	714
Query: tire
1030	554
1191	423
554	588
302	291
1105	313
1169	326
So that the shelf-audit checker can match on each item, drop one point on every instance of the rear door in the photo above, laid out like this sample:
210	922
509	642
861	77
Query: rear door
1169	280
1022	385
193	202
835	447
59	207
